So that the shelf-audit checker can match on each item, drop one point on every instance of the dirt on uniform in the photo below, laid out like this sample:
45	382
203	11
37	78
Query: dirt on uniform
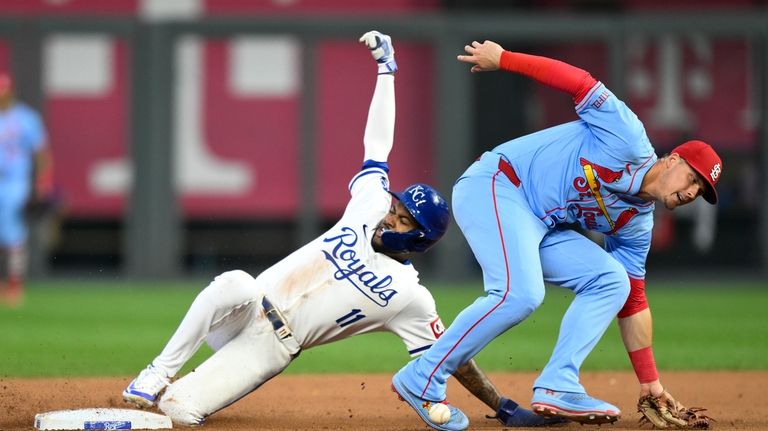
364	401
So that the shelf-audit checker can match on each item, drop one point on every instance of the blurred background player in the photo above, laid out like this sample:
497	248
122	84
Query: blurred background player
353	279
26	174
512	205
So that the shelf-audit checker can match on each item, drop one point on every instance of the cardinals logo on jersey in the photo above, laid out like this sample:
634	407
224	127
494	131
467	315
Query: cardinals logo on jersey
622	220
605	174
589	187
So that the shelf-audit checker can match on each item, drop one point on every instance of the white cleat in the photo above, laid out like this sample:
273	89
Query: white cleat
144	389
381	49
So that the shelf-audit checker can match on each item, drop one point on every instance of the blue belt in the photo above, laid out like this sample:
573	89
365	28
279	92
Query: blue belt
281	328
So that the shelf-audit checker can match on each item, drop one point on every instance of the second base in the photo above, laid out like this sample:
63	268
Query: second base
101	419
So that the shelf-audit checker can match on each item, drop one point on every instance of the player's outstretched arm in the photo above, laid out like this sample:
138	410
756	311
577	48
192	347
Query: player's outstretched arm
489	56
637	334
655	403
477	383
380	126
636	327
508	412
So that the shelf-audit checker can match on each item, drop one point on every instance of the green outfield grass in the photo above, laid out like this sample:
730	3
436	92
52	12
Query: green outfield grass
100	328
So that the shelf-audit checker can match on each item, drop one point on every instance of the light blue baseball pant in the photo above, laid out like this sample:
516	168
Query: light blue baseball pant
517	253
13	231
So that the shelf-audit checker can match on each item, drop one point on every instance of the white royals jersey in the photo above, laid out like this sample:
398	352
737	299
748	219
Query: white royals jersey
338	286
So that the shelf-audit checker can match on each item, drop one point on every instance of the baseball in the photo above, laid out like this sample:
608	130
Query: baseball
439	413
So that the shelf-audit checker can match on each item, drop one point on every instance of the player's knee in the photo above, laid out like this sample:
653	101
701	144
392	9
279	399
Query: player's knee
522	301
625	288
232	278
178	410
231	286
530	302
617	282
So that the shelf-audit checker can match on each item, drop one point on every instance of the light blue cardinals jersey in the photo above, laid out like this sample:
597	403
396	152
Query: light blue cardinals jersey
610	141
21	135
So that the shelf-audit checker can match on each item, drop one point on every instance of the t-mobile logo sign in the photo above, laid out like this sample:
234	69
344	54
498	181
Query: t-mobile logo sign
83	66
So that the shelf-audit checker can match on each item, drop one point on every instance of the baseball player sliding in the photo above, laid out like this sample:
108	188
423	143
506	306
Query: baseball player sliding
512	205
353	279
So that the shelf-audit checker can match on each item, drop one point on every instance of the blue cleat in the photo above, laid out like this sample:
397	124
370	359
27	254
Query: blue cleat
457	422
144	389
573	406
512	415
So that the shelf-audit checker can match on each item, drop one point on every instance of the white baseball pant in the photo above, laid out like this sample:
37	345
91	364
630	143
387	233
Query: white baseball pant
227	314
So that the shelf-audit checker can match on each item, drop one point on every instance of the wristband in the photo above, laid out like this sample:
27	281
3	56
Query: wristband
644	365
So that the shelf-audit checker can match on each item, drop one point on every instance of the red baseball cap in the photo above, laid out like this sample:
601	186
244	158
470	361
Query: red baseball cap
704	160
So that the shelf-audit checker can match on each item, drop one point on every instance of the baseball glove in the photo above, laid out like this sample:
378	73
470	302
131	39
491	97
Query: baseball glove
665	412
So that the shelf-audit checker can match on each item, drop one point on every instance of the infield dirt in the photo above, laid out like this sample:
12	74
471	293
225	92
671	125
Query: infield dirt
364	401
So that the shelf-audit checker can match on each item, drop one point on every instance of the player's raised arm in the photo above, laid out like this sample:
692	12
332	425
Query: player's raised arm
380	128
489	56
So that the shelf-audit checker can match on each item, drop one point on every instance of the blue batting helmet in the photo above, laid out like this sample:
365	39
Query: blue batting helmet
431	212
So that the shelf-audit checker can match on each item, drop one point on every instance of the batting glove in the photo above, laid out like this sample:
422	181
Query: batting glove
382	50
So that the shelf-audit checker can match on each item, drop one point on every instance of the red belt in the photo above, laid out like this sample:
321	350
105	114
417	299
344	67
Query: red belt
509	171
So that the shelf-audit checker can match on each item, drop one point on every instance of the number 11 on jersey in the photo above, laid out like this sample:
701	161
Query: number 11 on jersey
350	318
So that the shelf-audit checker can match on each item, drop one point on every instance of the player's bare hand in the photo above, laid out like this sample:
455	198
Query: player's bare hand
484	57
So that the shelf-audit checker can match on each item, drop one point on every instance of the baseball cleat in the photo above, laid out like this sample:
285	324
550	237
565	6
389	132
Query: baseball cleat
382	50
144	389
573	406
458	420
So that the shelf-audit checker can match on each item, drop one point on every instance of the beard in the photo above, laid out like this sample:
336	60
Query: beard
376	243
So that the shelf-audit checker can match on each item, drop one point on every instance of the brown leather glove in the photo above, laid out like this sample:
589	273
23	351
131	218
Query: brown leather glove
666	412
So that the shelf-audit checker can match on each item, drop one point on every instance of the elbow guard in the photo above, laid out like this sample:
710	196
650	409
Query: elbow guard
636	302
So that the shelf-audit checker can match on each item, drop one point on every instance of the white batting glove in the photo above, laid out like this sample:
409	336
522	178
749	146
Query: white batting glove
381	49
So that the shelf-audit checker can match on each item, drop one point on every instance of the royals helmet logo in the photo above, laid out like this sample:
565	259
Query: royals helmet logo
418	196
